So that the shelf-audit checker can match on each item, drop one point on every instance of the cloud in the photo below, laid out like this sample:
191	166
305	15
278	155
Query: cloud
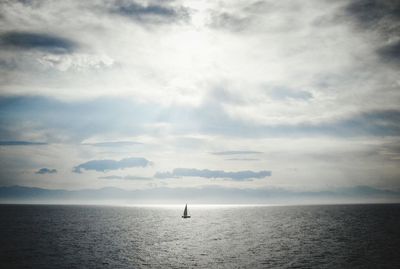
113	144
283	93
45	170
379	122
375	13
265	76
81	120
21	143
249	16
205	173
226	20
381	17
150	13
39	41
126	177
105	116
75	61
391	52
236	152
242	159
111	177
107	165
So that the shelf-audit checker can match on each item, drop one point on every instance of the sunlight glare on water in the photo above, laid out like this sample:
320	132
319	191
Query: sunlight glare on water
227	236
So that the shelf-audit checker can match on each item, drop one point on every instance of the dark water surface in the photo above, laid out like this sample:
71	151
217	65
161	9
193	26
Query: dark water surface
328	236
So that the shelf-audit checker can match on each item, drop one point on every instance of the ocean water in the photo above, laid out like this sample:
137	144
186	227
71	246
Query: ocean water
326	236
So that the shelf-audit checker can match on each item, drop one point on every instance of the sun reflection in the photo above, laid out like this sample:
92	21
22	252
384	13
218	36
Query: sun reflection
198	206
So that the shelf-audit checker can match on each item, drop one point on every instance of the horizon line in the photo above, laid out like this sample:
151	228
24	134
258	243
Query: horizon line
199	205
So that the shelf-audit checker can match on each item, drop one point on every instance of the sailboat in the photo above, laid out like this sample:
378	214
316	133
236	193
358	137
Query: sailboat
185	213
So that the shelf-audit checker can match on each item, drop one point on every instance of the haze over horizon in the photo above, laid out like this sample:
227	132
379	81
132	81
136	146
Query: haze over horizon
244	96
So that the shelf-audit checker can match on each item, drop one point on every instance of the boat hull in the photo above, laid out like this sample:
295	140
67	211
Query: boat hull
186	217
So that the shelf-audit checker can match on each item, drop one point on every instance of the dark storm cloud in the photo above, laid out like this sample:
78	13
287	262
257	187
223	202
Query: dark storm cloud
107	165
236	152
370	13
153	12
379	123
45	170
20	143
383	18
205	173
390	53
37	41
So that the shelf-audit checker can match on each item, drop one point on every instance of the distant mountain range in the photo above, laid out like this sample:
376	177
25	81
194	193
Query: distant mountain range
205	195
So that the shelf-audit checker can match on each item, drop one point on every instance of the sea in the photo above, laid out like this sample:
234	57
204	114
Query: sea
228	236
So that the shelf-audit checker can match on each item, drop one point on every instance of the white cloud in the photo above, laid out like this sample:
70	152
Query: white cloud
76	61
205	76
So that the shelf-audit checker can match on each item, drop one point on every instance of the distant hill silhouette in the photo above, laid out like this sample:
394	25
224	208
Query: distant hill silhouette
208	195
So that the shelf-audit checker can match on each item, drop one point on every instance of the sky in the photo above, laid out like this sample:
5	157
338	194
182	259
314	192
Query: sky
137	95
